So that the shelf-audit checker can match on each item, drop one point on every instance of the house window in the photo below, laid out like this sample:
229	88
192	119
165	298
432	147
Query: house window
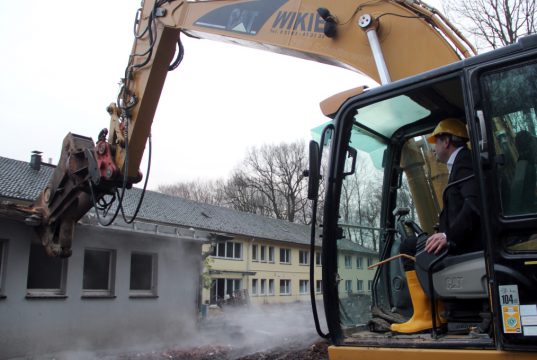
285	287
228	250
318	286
271	287
262	256
369	285
359	262
303	257
3	254
271	254
254	252
318	258
254	286
263	287
46	274
285	256
369	261
223	289
348	286
99	270
143	274
360	285
348	261
304	286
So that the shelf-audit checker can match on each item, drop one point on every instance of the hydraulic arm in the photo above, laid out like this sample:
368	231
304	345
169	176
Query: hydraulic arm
384	40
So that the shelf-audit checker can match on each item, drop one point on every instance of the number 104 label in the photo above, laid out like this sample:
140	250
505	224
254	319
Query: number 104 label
510	309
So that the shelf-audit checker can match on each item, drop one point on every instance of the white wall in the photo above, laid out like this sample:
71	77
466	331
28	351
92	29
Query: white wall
38	326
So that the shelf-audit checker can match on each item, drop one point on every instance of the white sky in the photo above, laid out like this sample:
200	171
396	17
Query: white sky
60	67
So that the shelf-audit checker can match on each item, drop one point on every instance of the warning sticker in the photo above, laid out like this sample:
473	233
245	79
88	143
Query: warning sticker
510	309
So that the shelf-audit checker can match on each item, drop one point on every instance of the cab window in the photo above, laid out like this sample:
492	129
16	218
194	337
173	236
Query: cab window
510	98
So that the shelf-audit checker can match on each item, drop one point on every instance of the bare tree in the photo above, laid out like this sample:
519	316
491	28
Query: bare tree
493	23
274	172
269	182
206	191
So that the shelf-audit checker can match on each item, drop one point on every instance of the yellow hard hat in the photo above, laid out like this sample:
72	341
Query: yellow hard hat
449	126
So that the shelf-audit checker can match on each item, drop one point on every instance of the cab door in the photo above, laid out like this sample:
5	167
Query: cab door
505	117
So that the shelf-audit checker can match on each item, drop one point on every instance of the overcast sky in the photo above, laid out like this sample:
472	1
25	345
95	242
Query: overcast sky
60	67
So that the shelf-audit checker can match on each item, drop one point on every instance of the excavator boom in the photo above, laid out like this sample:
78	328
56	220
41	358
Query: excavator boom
383	40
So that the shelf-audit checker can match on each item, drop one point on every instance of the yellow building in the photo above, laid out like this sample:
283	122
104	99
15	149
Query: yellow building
265	271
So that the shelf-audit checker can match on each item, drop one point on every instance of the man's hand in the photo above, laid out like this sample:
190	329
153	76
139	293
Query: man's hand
435	243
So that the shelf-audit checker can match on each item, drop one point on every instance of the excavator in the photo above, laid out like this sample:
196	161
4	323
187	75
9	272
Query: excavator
428	71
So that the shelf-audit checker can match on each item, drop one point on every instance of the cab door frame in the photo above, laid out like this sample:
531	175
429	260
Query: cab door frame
511	273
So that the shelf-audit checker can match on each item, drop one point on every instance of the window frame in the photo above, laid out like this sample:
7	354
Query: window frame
254	253
286	287
255	287
262	286
347	261
287	259
152	292
228	246
318	286
318	258
270	289
303	257
47	293
3	260
101	293
303	287
348	286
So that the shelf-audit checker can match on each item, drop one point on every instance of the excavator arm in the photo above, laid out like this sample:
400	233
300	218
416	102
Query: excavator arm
384	40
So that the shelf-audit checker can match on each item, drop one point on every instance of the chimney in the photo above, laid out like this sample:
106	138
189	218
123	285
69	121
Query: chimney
35	160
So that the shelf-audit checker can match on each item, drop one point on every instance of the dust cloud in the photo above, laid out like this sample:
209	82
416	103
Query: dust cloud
259	328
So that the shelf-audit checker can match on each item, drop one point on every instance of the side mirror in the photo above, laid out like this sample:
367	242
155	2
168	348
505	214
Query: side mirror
313	173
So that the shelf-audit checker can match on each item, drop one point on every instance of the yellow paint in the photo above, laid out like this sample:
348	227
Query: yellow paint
369	353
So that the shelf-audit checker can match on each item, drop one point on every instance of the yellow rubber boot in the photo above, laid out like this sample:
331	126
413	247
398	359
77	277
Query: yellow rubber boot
422	318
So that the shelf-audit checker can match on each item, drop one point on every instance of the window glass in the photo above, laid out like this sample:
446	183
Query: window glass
510	98
263	286
254	252
142	275
271	254
348	286
229	249
45	273
317	258
98	270
238	251
303	257
285	256
304	286
2	252
262	255
271	286
254	286
318	286
359	210
285	287
233	250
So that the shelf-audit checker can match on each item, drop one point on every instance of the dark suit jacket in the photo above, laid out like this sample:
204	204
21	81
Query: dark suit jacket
459	218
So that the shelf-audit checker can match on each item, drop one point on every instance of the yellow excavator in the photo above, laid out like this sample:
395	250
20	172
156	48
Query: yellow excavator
427	72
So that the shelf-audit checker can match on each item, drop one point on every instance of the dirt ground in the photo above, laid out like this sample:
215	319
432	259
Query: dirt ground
315	351
267	332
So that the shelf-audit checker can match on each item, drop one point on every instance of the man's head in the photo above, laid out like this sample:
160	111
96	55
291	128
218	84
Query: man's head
448	135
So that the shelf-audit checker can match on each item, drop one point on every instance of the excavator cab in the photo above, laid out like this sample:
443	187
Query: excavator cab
384	184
